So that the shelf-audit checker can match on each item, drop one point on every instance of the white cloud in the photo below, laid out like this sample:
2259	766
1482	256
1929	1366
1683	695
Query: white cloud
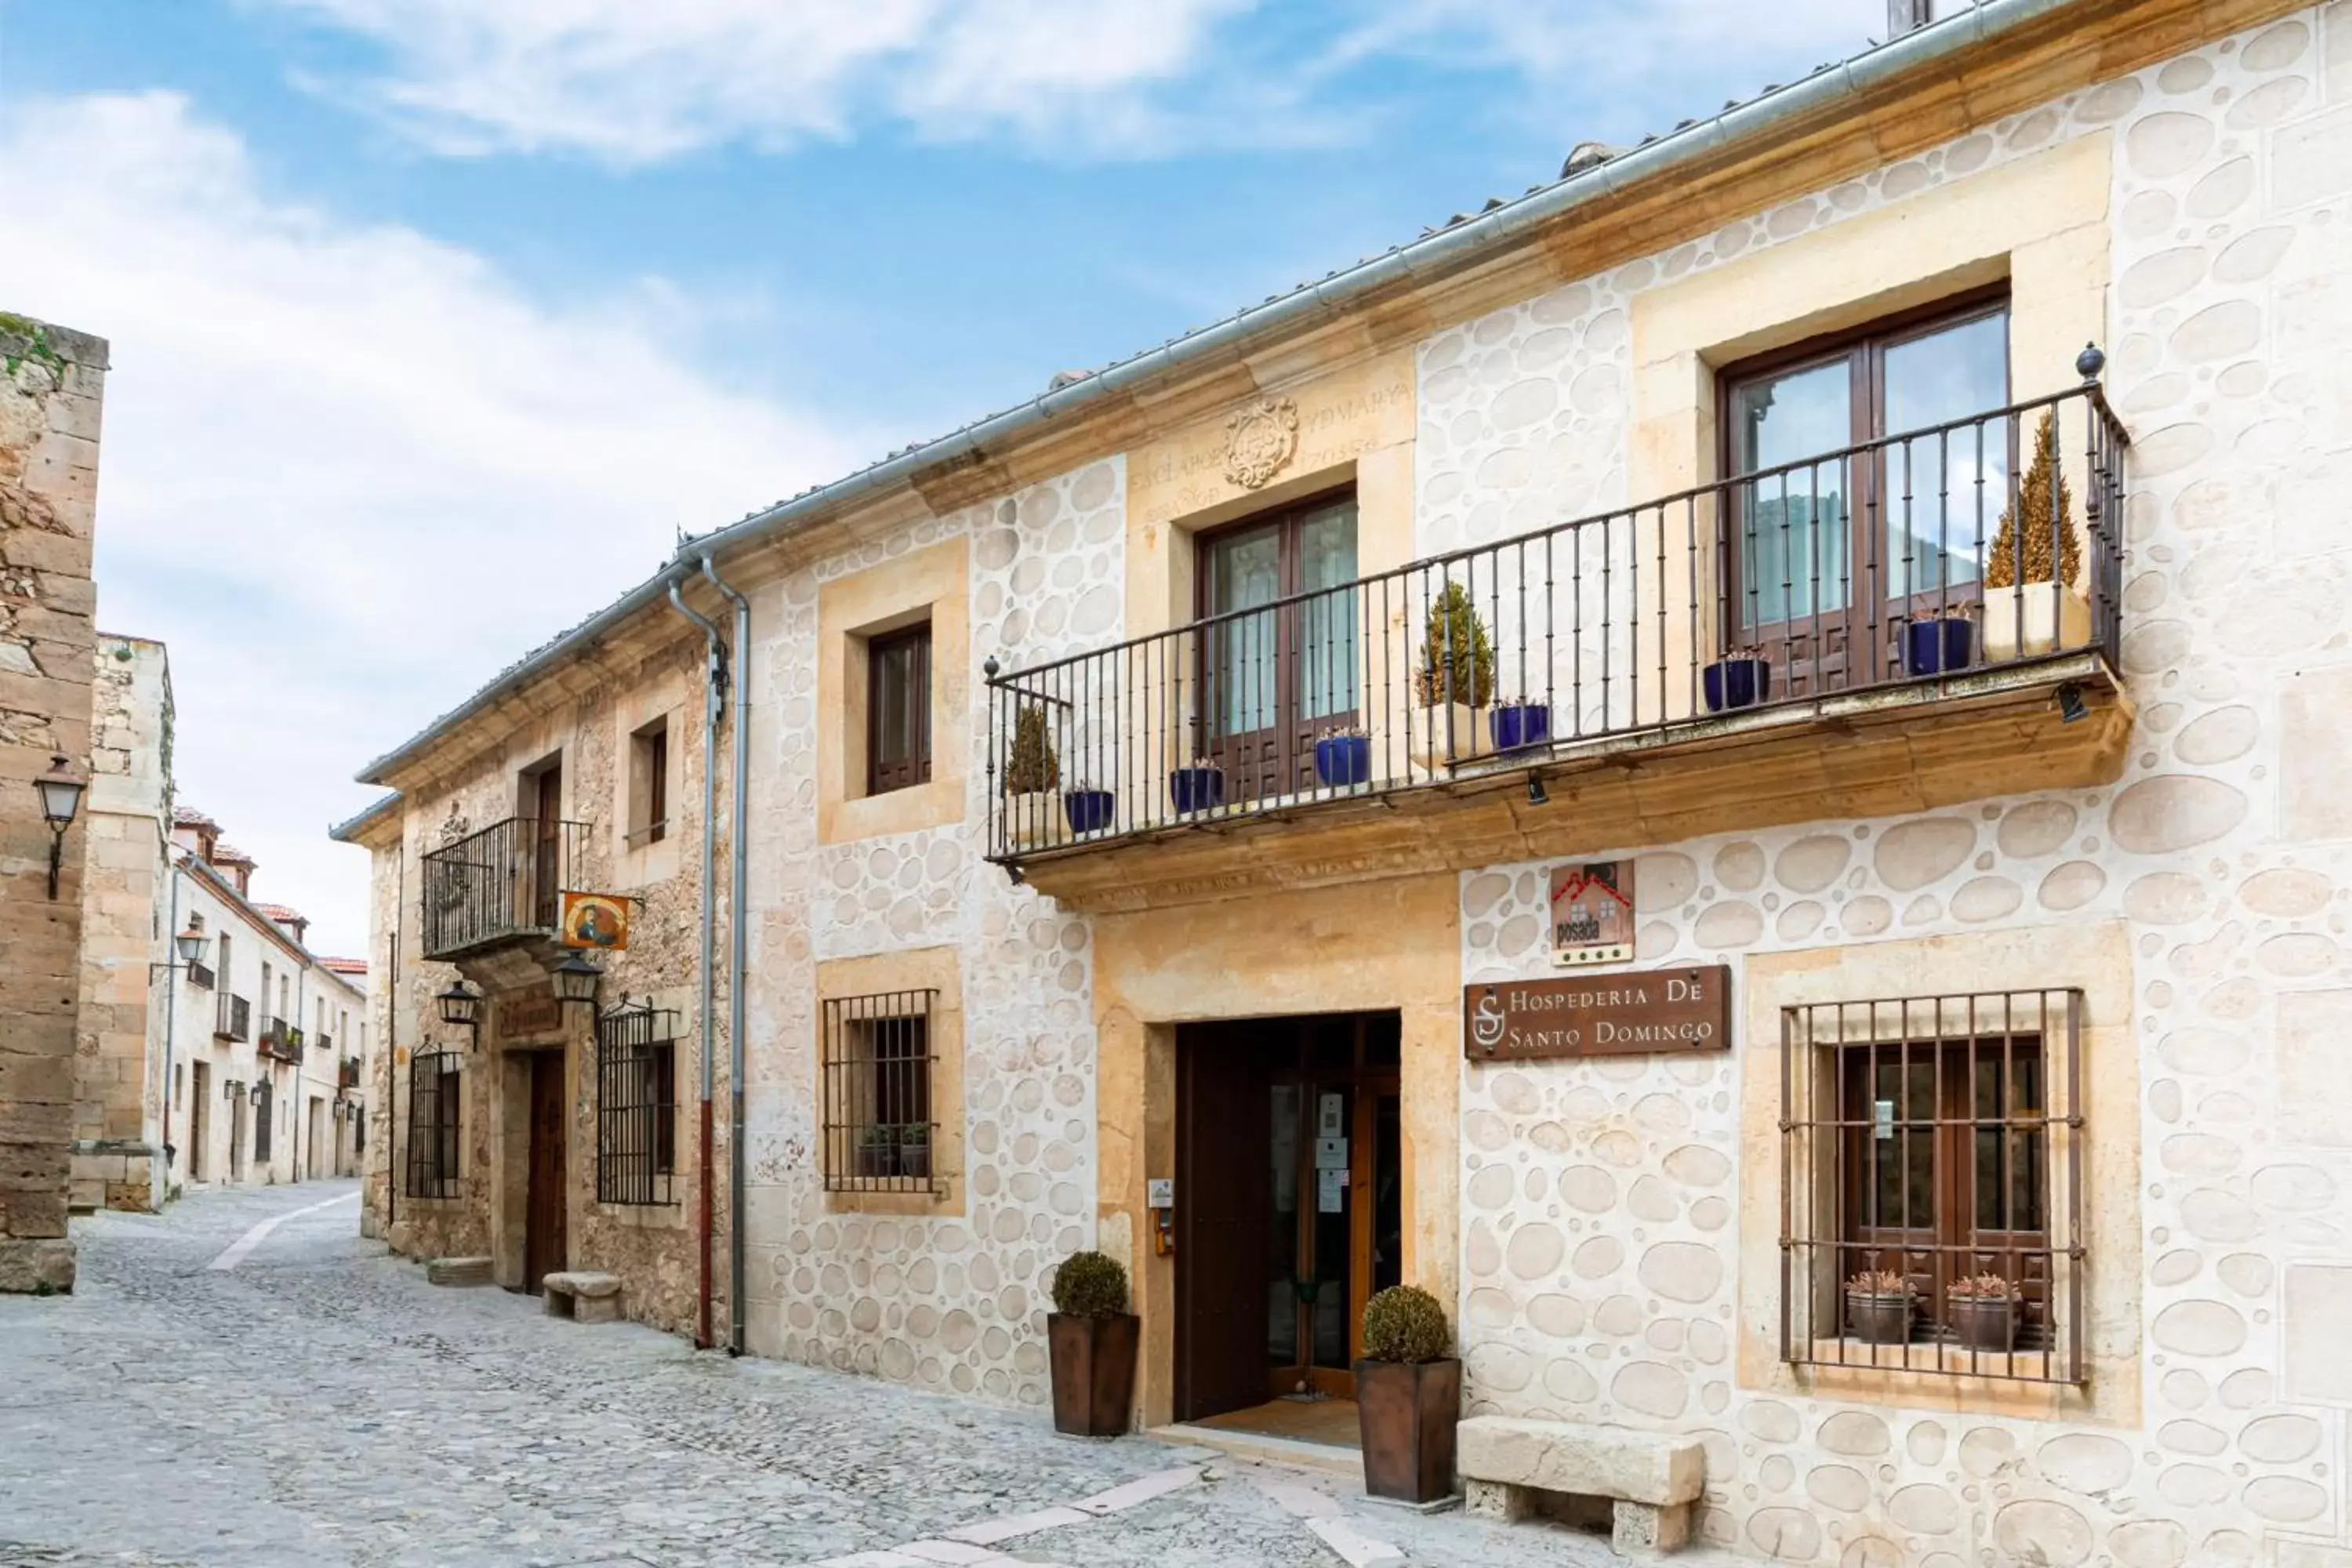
632	83
348	471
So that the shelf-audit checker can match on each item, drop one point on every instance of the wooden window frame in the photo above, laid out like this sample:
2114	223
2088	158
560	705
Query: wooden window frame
1863	621
1834	1128
916	768
649	784
869	1090
1278	759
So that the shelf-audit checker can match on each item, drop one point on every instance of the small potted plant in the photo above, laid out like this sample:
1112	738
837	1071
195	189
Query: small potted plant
1031	772
877	1150
2031	604
1514	725
1343	756
1090	1338
915	1148
1984	1312
1741	678
1939	642
1198	786
1408	1396
1454	682
1090	809
1879	1307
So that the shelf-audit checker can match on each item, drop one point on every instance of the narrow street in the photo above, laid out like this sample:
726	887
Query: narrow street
213	1394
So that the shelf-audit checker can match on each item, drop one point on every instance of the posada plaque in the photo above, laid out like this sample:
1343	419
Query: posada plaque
1640	1012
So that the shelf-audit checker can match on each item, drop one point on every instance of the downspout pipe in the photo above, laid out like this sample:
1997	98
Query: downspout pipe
715	694
738	927
171	1024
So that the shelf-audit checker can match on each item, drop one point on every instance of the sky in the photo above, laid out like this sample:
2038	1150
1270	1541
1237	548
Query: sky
433	321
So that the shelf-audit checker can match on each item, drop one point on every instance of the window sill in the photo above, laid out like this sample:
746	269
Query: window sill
944	1199
670	1215
1932	1359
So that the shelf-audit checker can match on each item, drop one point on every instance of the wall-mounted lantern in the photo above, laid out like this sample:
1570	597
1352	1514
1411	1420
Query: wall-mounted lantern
461	1005
60	789
576	980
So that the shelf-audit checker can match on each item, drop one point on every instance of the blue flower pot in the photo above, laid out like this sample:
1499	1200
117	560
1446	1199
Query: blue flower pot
1196	789
1518	724
1738	683
1343	760
1937	647
1090	810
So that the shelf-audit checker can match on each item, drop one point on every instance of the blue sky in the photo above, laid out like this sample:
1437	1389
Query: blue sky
432	320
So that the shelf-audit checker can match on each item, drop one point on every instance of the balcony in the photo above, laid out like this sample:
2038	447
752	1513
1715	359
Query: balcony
1871	631
281	1040
232	1017
502	884
347	1073
321	1042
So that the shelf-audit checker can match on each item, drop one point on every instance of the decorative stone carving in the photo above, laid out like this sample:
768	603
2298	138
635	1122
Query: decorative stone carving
1260	441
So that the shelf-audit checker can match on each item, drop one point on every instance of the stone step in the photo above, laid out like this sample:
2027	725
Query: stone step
457	1271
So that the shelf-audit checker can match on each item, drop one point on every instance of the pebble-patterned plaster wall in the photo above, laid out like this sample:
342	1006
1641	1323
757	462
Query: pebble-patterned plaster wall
1599	1201
951	1303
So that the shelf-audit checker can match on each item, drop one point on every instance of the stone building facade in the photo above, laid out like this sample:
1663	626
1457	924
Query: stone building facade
50	397
2029	958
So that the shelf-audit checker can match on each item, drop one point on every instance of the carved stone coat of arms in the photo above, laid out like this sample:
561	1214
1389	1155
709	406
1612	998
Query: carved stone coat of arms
1260	441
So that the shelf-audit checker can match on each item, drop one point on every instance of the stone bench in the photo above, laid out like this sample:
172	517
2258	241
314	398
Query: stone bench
457	1271
1508	1465
582	1298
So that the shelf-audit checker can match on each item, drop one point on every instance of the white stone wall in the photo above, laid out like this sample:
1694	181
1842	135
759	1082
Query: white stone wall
1600	1246
955	1303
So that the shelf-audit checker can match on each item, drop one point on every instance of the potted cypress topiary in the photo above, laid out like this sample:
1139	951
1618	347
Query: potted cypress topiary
1454	681
1408	1396
1090	1337
1031	772
2031	605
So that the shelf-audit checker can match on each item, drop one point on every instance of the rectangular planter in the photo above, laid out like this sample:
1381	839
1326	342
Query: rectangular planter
1033	820
1405	1414
2029	621
1449	732
1092	1361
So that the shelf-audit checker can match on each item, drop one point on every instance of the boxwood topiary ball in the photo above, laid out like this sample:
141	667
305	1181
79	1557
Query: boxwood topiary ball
1090	1285
1405	1323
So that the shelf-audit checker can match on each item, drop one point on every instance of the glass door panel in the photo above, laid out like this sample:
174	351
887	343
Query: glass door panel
1283	1235
1944	493
1793	550
1327	651
1328	1295
1244	571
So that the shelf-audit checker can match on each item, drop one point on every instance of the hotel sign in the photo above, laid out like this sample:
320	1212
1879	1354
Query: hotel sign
1639	1012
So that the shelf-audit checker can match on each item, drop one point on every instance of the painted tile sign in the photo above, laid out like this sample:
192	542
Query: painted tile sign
1592	913
1638	1013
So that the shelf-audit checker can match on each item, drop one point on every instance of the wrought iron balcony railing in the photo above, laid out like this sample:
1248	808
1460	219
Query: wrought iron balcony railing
1986	542
347	1073
282	1040
503	882
232	1017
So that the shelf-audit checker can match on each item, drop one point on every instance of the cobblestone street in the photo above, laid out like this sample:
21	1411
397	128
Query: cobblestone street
210	1397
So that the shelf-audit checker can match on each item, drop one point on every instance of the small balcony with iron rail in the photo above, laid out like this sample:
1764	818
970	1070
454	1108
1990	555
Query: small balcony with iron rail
1901	624
500	885
281	1041
232	1017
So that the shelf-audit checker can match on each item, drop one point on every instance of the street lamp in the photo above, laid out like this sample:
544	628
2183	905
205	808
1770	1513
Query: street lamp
461	1004
576	979
191	944
60	798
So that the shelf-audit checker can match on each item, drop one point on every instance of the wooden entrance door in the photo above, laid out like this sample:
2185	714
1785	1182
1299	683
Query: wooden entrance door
1274	1258
200	1118
544	1241
1223	1201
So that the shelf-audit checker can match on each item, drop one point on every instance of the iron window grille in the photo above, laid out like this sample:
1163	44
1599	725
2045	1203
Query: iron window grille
433	1082
261	1121
232	1017
636	1105
1931	1184
199	975
879	1127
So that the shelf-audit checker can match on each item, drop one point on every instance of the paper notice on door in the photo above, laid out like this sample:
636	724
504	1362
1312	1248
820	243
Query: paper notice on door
1330	1153
1330	1115
1330	1192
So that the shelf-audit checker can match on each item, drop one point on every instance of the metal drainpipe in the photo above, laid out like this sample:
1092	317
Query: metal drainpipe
302	1052
736	925
717	687
171	1023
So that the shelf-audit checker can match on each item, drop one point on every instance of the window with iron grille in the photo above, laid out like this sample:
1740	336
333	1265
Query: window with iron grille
878	1130
261	1121
433	1082
1931	1184
898	709
636	1105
